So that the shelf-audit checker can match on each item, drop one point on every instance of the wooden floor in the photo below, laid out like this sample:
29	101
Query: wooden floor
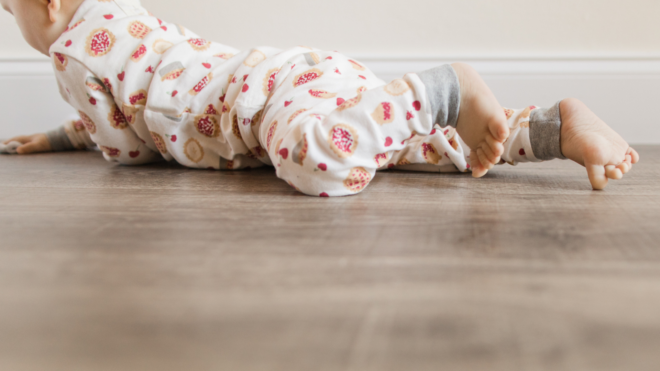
162	268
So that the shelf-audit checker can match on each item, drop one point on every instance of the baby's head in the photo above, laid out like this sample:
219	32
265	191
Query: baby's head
42	21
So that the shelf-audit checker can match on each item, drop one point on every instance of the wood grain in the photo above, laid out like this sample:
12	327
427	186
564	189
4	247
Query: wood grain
104	267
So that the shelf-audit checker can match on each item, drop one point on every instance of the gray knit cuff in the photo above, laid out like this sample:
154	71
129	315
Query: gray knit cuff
545	133
59	140
444	92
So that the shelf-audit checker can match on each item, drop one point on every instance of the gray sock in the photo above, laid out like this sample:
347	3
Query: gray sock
444	92
545	133
59	141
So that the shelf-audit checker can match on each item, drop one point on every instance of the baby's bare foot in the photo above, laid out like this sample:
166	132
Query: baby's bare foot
481	122
587	140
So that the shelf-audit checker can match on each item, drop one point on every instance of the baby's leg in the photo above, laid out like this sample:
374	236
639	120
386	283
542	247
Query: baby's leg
568	130
481	124
585	138
335	150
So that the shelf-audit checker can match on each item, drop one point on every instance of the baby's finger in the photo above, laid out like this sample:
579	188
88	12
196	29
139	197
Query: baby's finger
21	139
31	147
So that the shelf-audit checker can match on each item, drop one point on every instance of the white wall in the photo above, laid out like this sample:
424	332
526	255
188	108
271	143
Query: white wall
606	52
412	26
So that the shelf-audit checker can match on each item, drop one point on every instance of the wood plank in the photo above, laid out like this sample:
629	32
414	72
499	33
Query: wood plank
106	267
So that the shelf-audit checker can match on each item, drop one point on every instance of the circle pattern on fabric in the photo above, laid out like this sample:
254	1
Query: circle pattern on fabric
207	125
87	121
99	42
431	155
159	142
193	150
384	113
271	134
397	87
307	76
357	179
343	140
110	151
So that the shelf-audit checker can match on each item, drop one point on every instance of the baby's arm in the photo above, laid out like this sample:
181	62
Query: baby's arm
68	137
26	144
101	117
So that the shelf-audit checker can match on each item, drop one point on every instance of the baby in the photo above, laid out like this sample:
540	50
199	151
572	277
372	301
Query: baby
148	90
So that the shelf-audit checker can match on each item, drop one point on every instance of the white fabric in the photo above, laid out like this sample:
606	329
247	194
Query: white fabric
9	148
147	90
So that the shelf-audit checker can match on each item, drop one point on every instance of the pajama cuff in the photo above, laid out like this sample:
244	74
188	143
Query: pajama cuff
59	140
545	133
444	92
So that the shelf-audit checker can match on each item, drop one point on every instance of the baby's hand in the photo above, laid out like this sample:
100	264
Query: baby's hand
31	144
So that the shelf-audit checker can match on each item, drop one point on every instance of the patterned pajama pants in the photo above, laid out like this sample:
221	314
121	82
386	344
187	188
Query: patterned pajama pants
327	133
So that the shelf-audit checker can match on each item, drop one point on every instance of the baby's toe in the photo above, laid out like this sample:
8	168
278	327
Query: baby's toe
490	155
634	155
496	147
484	160
613	172
624	166
597	176
477	169
499	129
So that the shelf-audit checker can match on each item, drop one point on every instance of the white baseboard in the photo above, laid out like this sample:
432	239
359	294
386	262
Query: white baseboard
623	90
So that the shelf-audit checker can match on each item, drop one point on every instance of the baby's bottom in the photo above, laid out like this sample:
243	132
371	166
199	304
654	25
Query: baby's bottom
407	124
